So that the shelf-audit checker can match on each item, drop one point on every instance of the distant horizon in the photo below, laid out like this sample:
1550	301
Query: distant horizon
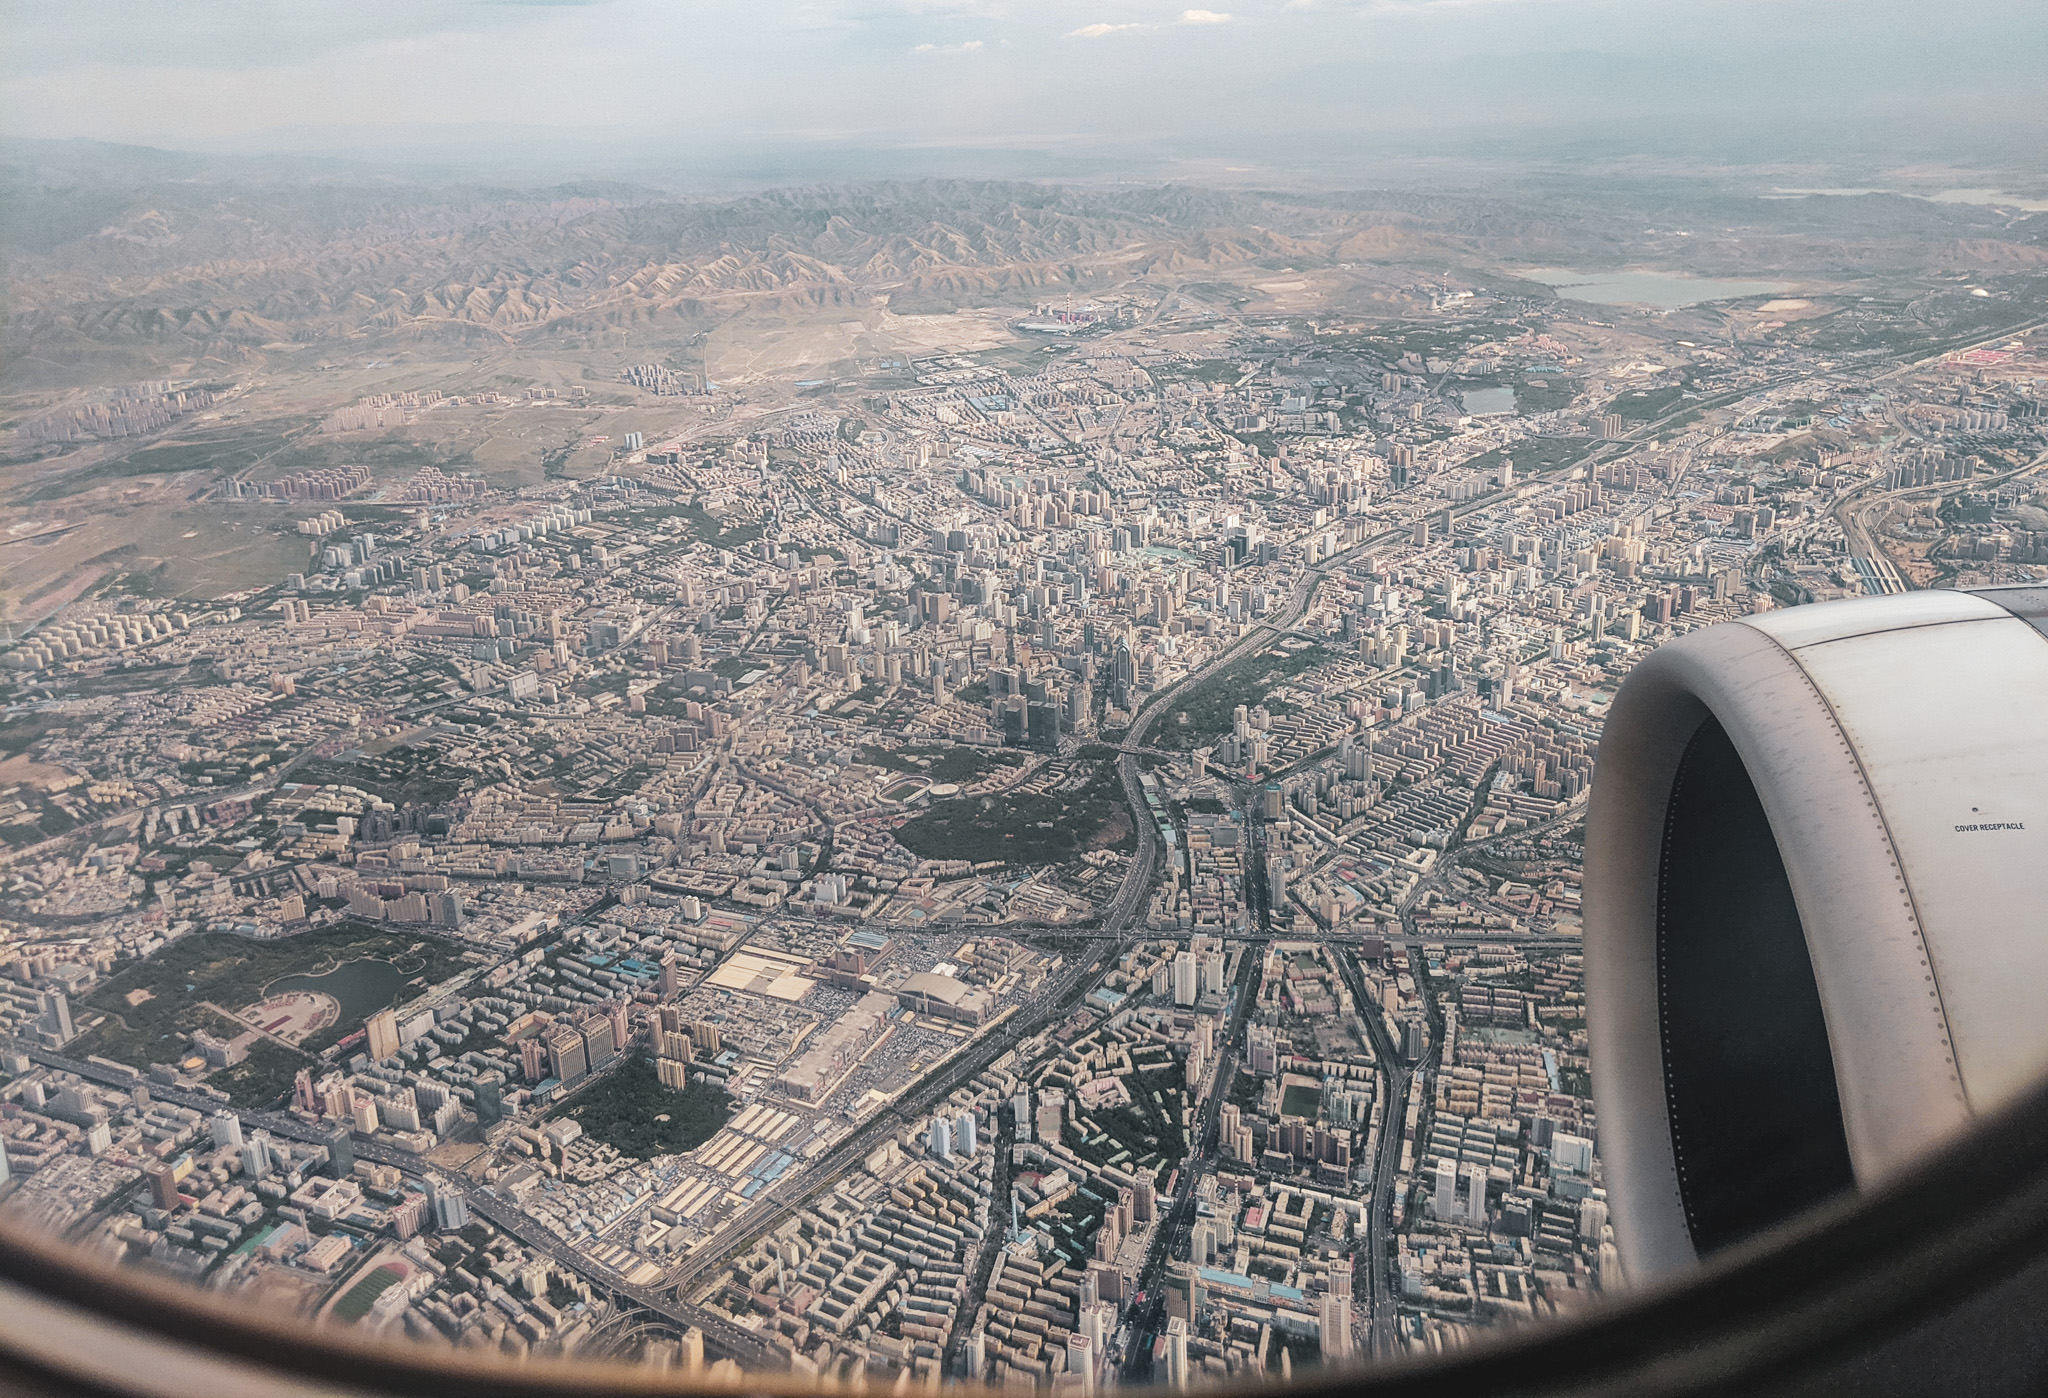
1314	89
491	160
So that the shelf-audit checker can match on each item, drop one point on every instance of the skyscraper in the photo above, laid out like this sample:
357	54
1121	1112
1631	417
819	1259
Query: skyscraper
55	1010
1081	1360
942	1138
163	1184
1592	1219
1334	1313
490	1100
566	1051
1263	1051
1098	1323
599	1040
341	1151
1445	1200
381	1031
1475	1194
964	1132
256	1158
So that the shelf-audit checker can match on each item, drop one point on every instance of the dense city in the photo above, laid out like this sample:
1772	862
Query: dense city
1052	861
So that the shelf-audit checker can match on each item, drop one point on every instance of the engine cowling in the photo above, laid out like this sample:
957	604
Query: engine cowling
1816	906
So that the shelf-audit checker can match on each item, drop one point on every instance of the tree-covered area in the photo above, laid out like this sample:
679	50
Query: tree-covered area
263	1079
630	1110
1021	829
151	1007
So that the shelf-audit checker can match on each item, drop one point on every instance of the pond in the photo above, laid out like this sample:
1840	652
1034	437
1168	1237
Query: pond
1478	402
1659	290
360	987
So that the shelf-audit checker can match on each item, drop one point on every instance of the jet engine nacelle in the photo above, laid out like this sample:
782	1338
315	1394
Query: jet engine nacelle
1816	906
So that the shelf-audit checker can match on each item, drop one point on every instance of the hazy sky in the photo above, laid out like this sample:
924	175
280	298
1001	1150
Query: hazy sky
688	78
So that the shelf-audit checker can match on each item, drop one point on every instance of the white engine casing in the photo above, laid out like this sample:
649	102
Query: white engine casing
1898	749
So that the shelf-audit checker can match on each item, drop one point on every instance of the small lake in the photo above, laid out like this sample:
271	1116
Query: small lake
1995	198
1478	402
361	988
1660	290
1991	198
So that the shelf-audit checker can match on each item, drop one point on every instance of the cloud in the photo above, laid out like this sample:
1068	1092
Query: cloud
1187	17
970	46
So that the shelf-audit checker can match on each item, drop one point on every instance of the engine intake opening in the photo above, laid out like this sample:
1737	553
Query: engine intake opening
1749	1079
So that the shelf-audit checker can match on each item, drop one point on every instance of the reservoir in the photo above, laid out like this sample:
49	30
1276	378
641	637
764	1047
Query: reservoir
1991	198
361	987
1659	290
1478	402
1994	198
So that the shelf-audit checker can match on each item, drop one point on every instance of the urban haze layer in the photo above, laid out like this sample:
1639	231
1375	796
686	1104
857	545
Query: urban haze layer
902	782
